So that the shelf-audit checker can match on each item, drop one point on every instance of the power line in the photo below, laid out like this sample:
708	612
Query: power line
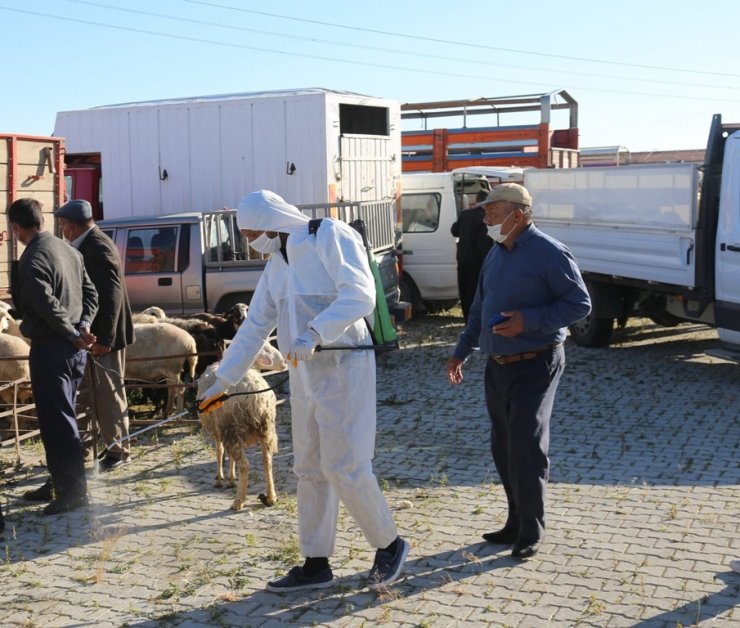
459	43
348	61
388	50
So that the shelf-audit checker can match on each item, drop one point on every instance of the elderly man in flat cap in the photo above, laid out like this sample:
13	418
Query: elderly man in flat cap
113	327
530	290
57	301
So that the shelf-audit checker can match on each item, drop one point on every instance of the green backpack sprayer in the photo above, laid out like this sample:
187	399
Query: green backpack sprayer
381	328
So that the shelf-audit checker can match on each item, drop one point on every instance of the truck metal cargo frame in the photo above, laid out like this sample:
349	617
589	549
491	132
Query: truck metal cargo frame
655	240
211	267
535	145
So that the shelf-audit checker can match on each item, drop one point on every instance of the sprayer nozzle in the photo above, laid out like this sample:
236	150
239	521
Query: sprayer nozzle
212	403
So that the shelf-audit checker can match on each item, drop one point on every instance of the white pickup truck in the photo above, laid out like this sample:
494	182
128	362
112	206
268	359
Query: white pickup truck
198	261
430	203
661	241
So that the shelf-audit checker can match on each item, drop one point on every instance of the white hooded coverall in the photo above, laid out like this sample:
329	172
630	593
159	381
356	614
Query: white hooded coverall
327	285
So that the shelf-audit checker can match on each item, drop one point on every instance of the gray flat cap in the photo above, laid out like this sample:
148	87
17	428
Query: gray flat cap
75	210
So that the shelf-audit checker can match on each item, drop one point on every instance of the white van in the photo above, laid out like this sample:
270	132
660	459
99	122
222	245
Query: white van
430	203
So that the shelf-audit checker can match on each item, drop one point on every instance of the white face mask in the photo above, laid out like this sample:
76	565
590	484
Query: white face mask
266	245
494	231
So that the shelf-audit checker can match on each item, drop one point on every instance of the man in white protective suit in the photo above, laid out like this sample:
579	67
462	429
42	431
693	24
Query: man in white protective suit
316	289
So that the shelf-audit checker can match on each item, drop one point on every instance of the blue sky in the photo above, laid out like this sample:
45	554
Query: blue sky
647	74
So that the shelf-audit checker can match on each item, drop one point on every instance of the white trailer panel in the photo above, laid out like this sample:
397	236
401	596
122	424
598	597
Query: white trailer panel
204	154
635	221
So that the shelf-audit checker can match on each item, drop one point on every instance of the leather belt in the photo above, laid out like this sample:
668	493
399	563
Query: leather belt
526	355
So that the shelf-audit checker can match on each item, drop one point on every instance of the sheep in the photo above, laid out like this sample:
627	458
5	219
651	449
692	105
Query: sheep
145	319
155	311
241	422
11	326
162	339
226	324
210	346
11	370
269	359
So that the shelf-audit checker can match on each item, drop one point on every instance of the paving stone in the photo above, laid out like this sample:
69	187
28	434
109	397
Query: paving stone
642	511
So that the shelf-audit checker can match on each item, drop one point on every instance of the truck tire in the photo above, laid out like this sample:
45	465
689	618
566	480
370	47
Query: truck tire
592	331
441	305
410	294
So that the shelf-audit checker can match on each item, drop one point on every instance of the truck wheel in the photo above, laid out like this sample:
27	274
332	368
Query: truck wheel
592	332
410	294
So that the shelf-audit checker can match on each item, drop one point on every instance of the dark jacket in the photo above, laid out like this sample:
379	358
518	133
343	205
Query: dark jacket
473	244
113	324
53	293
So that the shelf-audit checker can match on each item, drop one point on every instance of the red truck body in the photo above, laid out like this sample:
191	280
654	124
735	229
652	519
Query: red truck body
530	145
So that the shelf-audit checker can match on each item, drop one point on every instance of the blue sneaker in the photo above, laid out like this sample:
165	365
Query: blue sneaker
296	580
387	567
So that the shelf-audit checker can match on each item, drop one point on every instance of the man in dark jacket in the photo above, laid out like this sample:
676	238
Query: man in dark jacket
57	302
473	245
112	326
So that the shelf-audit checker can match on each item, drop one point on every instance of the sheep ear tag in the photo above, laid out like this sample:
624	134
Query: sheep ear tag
212	403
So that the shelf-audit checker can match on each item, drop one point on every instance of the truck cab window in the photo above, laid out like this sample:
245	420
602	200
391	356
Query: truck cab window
420	212
151	250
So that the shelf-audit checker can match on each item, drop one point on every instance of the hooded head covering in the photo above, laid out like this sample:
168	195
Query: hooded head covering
266	211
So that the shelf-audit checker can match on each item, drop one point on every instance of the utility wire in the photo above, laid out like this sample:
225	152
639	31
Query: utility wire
459	43
424	55
351	62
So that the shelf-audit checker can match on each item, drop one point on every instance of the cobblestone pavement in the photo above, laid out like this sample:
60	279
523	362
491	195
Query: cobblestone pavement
643	509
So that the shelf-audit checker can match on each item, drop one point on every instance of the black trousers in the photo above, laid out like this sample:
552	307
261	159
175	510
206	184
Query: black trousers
467	284
519	399
57	368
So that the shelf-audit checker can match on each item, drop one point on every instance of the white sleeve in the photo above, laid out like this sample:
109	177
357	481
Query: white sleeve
252	334
345	259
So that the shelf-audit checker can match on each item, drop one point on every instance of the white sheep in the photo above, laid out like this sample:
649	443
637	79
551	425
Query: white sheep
242	421
154	341
155	311
144	319
11	326
11	370
269	359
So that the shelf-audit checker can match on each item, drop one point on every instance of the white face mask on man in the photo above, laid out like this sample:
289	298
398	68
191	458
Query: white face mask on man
266	245
494	231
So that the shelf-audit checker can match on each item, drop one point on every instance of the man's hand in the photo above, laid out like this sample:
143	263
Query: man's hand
85	340
304	346
97	349
513	326
454	371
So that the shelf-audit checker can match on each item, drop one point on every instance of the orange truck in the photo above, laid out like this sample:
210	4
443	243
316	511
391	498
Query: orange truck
442	149
29	166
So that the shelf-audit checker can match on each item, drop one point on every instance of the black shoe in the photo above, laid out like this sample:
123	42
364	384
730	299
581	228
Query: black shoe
387	567
504	536
58	506
525	549
297	580
44	493
114	461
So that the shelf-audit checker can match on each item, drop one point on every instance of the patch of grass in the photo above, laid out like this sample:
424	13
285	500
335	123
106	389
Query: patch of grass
288	555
